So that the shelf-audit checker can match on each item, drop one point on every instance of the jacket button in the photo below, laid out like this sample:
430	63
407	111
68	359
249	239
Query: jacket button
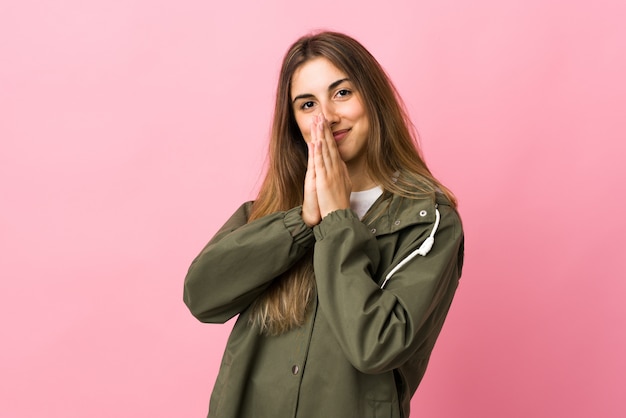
295	369
373	230
423	213
396	223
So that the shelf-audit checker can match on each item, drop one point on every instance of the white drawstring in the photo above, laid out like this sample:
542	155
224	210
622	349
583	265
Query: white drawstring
422	250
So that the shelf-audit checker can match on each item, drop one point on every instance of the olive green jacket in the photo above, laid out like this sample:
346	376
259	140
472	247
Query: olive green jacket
363	349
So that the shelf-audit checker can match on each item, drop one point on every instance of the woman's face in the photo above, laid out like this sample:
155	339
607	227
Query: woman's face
318	87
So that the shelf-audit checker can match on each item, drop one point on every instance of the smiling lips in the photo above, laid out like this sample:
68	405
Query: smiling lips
340	134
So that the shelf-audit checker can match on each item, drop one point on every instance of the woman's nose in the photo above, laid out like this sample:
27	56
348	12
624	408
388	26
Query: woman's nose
330	113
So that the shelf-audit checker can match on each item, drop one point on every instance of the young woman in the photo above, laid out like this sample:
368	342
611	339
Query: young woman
343	269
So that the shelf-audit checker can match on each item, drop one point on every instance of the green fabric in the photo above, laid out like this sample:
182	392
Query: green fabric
363	350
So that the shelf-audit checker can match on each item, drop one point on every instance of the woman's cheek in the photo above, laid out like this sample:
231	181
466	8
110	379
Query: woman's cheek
305	130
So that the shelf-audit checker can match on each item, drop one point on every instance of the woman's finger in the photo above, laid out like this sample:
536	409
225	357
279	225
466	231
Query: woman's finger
325	146
310	206
331	144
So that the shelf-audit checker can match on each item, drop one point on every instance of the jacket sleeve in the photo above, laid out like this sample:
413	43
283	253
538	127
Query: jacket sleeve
241	260
380	329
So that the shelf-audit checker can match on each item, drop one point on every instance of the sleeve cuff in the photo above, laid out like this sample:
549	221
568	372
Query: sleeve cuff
302	234
330	221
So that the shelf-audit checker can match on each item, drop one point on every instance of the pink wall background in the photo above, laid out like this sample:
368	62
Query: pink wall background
131	129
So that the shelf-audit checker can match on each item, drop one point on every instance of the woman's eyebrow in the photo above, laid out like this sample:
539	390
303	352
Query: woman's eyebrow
332	85
337	83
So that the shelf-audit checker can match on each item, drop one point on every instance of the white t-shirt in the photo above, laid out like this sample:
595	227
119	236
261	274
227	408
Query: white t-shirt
360	202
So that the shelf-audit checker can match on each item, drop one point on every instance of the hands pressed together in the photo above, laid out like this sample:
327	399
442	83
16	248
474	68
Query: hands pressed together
327	183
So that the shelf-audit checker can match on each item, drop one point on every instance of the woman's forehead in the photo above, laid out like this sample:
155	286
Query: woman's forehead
315	76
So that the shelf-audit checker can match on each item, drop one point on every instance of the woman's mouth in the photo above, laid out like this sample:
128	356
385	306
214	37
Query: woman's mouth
340	134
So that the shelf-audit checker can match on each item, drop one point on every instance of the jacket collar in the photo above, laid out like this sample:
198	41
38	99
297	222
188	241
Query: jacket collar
391	213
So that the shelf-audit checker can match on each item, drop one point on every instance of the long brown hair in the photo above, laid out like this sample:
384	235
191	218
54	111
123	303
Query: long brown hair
393	161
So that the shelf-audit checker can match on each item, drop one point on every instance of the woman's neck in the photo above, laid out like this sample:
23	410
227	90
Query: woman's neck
361	180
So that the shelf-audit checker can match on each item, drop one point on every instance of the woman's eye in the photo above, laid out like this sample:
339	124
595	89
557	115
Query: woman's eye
343	93
306	105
